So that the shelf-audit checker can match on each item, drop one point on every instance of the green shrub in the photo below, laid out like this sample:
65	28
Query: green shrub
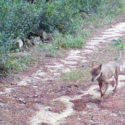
17	20
110	7
74	75
70	41
119	43
17	64
86	6
59	15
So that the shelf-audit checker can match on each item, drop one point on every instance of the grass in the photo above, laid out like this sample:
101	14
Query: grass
73	75
108	53
69	41
78	75
119	43
19	63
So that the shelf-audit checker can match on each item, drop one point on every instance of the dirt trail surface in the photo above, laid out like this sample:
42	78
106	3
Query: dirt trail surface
38	98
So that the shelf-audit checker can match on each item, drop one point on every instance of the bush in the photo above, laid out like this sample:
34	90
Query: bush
18	18
110	7
70	41
59	15
86	6
64	15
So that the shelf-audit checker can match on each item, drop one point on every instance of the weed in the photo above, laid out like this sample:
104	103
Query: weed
119	43
73	75
19	63
76	75
70	41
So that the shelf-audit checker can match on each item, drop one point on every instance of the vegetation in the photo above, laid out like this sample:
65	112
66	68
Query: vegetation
119	43
73	75
63	18
76	75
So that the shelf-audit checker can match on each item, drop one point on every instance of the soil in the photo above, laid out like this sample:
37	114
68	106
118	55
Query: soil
39	96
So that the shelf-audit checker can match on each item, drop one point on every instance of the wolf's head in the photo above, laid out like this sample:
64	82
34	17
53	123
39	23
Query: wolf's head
96	72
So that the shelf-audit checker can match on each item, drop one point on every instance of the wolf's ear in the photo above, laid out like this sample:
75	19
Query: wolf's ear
93	63
100	66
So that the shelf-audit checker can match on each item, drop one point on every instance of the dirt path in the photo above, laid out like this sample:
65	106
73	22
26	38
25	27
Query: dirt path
38	98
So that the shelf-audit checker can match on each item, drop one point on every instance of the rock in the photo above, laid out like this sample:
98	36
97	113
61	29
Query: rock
44	35
27	42
19	43
84	15
38	33
47	41
47	37
36	40
21	100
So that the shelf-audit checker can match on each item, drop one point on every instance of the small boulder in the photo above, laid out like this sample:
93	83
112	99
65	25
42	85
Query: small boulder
44	35
36	40
47	36
50	36
27	42
19	43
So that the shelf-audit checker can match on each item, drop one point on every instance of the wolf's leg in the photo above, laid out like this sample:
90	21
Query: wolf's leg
106	87
100	87
116	80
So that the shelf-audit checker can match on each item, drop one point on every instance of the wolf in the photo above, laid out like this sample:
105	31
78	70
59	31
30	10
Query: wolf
102	73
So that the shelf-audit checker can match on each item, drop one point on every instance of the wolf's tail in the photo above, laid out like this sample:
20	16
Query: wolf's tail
119	56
